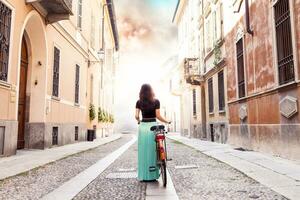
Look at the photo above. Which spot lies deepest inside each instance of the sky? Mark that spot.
(147, 39)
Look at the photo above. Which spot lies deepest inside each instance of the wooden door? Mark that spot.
(22, 95)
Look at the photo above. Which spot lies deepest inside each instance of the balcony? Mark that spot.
(53, 10)
(191, 71)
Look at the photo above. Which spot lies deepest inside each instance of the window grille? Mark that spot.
(55, 136)
(240, 68)
(55, 86)
(77, 75)
(210, 96)
(221, 91)
(76, 133)
(285, 56)
(5, 26)
(194, 102)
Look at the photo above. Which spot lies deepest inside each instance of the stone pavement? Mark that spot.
(26, 160)
(126, 187)
(280, 175)
(39, 182)
(109, 186)
(88, 175)
(156, 190)
(71, 188)
(197, 176)
(109, 172)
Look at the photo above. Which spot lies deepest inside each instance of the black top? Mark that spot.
(148, 108)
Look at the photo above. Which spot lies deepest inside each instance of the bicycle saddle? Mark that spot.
(158, 128)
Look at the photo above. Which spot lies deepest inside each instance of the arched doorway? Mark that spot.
(32, 83)
(22, 94)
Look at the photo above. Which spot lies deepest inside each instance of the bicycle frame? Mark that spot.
(161, 149)
(161, 146)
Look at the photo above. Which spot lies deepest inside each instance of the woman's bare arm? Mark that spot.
(137, 115)
(160, 118)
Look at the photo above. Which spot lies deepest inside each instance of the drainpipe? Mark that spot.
(103, 26)
(103, 20)
(248, 18)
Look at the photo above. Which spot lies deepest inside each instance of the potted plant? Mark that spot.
(112, 119)
(100, 115)
(217, 53)
(92, 112)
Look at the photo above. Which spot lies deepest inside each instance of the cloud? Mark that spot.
(145, 21)
(147, 39)
(131, 29)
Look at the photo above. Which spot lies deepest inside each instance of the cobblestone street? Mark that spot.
(149, 100)
(211, 179)
(37, 183)
(195, 176)
(115, 188)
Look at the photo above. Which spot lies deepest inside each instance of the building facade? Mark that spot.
(103, 60)
(214, 74)
(247, 71)
(169, 93)
(47, 59)
(202, 52)
(262, 52)
(186, 19)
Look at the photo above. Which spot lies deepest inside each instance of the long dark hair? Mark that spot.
(146, 94)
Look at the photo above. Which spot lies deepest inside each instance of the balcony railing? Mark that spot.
(191, 71)
(53, 10)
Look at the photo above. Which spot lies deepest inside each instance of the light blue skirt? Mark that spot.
(147, 159)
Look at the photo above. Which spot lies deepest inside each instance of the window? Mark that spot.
(55, 136)
(240, 68)
(219, 17)
(55, 86)
(208, 34)
(76, 133)
(210, 96)
(221, 91)
(194, 102)
(99, 94)
(215, 26)
(2, 137)
(93, 31)
(102, 75)
(79, 14)
(212, 132)
(5, 25)
(92, 89)
(77, 75)
(285, 56)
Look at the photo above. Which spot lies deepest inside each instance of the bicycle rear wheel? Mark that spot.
(163, 169)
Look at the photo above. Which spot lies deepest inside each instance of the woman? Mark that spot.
(150, 109)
